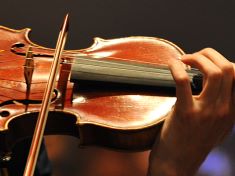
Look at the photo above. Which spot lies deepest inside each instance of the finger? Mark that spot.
(227, 73)
(212, 75)
(183, 88)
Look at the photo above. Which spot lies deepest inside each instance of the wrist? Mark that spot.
(167, 163)
(161, 168)
(166, 167)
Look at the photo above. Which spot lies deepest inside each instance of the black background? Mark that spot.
(191, 24)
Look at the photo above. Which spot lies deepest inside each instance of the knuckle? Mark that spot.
(208, 50)
(194, 112)
(228, 68)
(215, 74)
(203, 111)
(197, 55)
(182, 80)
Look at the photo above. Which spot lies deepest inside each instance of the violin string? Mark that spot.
(162, 69)
(100, 61)
(112, 57)
(165, 73)
(65, 51)
(92, 56)
(165, 77)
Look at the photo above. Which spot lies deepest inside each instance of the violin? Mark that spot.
(114, 94)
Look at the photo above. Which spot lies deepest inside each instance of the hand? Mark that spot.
(198, 123)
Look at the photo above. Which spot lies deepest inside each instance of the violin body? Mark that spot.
(106, 114)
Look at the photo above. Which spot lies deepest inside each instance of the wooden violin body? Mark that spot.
(98, 113)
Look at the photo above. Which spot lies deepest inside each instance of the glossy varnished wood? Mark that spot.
(124, 118)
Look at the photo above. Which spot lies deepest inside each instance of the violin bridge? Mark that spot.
(62, 84)
(28, 70)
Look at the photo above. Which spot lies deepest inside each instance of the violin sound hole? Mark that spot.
(15, 47)
(55, 96)
(4, 113)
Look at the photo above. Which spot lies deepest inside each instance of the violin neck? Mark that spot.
(128, 73)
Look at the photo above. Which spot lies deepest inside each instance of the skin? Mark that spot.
(189, 133)
(191, 130)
